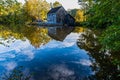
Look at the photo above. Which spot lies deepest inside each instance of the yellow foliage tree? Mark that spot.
(80, 16)
(56, 4)
(37, 9)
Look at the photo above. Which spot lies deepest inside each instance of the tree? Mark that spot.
(14, 12)
(11, 12)
(86, 5)
(37, 9)
(80, 16)
(56, 4)
(104, 14)
(110, 39)
(72, 12)
(100, 14)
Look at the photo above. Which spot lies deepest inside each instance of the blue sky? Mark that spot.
(67, 4)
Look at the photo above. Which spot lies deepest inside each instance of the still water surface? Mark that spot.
(54, 53)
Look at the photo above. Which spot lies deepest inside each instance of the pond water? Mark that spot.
(54, 53)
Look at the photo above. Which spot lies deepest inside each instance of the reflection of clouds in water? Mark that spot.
(29, 54)
(27, 73)
(84, 62)
(2, 59)
(24, 51)
(3, 49)
(17, 46)
(72, 37)
(57, 44)
(10, 65)
(7, 55)
(22, 47)
(60, 72)
(69, 41)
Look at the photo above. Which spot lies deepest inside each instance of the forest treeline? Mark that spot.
(104, 14)
(14, 12)
(95, 13)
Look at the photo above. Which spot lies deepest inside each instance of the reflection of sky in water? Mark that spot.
(54, 61)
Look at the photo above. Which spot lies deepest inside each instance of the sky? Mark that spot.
(67, 4)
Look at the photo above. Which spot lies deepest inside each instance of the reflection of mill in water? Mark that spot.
(59, 33)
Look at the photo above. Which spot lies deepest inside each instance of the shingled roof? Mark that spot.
(54, 10)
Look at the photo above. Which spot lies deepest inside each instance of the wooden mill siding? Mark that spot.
(59, 15)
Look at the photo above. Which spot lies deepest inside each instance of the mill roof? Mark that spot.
(54, 10)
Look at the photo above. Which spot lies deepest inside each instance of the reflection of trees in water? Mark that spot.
(37, 36)
(88, 40)
(8, 36)
(103, 64)
(79, 29)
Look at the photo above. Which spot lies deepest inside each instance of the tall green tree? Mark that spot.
(103, 14)
(110, 39)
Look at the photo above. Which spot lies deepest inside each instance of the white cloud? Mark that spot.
(29, 54)
(19, 45)
(69, 41)
(10, 65)
(60, 71)
(84, 62)
(22, 47)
